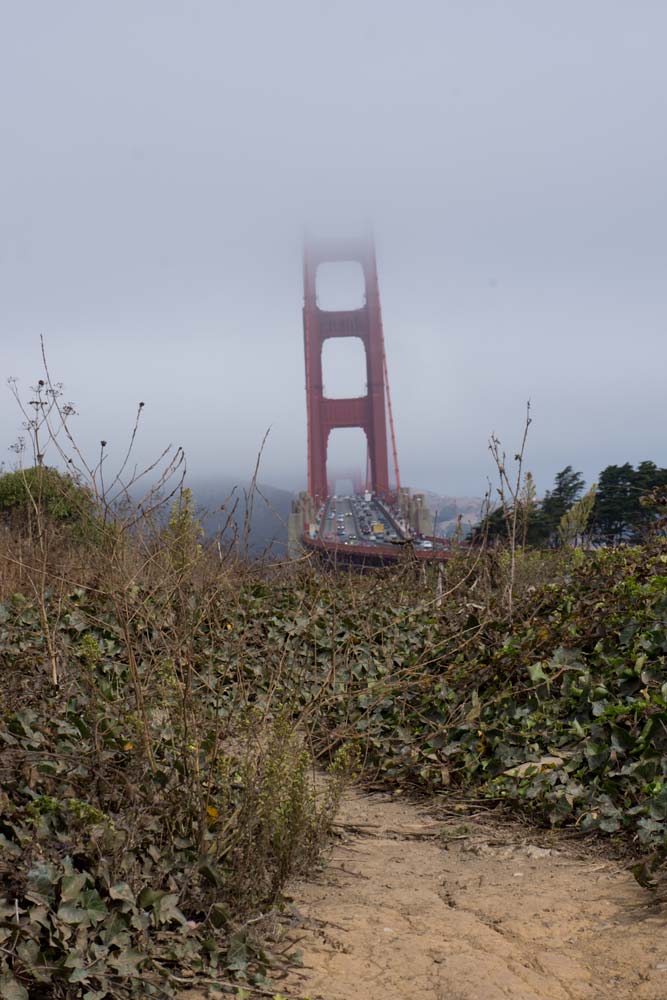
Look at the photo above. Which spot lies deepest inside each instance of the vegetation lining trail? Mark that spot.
(561, 713)
(156, 798)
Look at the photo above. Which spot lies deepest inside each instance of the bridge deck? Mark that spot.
(358, 529)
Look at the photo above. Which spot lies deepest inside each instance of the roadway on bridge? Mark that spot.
(350, 520)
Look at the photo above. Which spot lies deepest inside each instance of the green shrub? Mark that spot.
(41, 489)
(116, 867)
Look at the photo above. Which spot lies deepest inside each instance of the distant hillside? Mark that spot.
(447, 510)
(218, 498)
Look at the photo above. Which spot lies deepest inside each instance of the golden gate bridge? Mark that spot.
(378, 520)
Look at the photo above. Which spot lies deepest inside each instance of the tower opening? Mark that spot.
(346, 460)
(343, 368)
(340, 285)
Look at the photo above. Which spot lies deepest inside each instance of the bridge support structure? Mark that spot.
(367, 412)
(300, 520)
(415, 512)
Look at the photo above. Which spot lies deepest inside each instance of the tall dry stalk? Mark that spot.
(509, 492)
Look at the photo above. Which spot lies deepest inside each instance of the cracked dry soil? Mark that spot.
(414, 908)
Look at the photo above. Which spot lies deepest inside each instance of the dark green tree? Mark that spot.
(494, 527)
(541, 526)
(491, 528)
(649, 476)
(567, 489)
(618, 515)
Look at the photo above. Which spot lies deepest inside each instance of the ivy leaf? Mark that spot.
(536, 673)
(657, 806)
(43, 878)
(9, 846)
(70, 913)
(121, 890)
(610, 823)
(148, 897)
(95, 906)
(621, 740)
(127, 962)
(11, 989)
(89, 909)
(71, 886)
(165, 909)
(650, 830)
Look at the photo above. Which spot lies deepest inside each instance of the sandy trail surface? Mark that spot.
(416, 906)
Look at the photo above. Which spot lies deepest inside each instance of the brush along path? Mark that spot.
(412, 908)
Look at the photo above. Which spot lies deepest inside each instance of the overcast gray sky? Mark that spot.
(159, 161)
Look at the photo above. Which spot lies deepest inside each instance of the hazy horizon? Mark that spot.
(160, 164)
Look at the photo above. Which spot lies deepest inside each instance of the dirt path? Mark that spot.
(414, 908)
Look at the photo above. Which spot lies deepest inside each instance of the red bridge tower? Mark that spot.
(367, 412)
